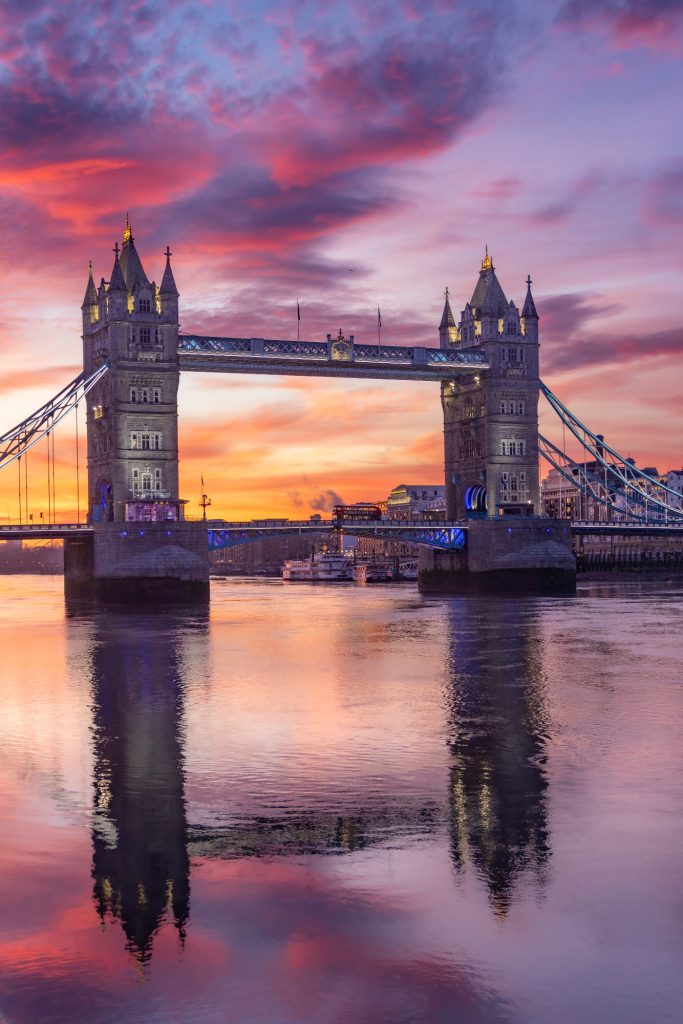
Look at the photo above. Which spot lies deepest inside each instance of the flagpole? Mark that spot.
(298, 319)
(379, 334)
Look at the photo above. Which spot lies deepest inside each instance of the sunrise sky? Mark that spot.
(351, 155)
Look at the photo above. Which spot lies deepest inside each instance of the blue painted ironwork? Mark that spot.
(444, 536)
(643, 496)
(315, 358)
(20, 439)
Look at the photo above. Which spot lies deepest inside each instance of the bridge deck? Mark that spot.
(321, 359)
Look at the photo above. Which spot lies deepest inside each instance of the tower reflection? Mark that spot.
(140, 861)
(498, 723)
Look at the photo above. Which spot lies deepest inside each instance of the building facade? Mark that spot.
(491, 419)
(417, 501)
(132, 414)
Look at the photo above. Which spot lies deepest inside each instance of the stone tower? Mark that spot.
(132, 415)
(491, 420)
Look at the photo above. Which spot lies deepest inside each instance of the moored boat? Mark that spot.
(325, 568)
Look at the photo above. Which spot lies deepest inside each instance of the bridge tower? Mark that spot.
(491, 419)
(140, 547)
(132, 415)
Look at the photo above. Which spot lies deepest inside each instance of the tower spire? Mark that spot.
(529, 310)
(127, 231)
(487, 262)
(447, 328)
(168, 286)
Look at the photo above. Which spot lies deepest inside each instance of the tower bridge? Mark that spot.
(137, 540)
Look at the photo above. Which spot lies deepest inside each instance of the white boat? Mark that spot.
(373, 572)
(328, 568)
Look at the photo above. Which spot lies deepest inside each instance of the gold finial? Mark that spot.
(127, 233)
(487, 262)
(446, 293)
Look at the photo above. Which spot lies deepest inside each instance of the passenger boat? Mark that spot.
(373, 572)
(326, 568)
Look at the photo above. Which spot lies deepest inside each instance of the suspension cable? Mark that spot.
(49, 492)
(54, 492)
(20, 502)
(78, 473)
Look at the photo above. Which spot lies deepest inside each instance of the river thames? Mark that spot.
(342, 805)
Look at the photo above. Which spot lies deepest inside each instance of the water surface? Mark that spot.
(342, 805)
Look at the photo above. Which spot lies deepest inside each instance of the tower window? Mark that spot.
(143, 305)
(156, 395)
(512, 447)
(145, 336)
(145, 440)
(133, 395)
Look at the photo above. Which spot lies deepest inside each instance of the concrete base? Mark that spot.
(505, 555)
(143, 563)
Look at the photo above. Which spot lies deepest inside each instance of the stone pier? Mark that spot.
(508, 555)
(163, 563)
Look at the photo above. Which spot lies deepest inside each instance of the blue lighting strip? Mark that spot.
(445, 538)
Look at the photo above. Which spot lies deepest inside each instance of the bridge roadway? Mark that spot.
(445, 535)
(334, 358)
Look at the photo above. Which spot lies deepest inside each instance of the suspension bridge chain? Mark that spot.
(608, 476)
(16, 442)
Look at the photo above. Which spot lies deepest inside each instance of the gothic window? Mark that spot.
(146, 440)
(147, 482)
(145, 336)
(133, 395)
(145, 394)
(469, 448)
(512, 447)
(156, 395)
(469, 408)
(143, 305)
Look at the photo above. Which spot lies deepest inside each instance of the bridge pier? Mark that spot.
(165, 563)
(508, 555)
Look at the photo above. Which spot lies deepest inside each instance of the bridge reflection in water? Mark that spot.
(498, 724)
(495, 808)
(140, 859)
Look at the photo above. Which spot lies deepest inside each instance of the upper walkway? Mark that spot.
(334, 358)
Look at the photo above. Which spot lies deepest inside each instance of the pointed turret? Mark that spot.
(447, 328)
(89, 304)
(529, 311)
(90, 297)
(168, 293)
(117, 293)
(168, 281)
(529, 315)
(488, 298)
(131, 264)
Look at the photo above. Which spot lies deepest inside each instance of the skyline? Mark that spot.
(347, 162)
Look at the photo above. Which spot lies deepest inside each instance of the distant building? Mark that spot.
(417, 501)
(560, 499)
(674, 480)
